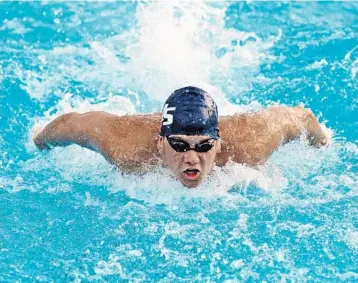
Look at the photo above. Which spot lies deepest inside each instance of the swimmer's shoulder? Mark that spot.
(108, 119)
(235, 121)
(104, 124)
(140, 121)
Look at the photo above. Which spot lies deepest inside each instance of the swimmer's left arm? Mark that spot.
(251, 138)
(296, 121)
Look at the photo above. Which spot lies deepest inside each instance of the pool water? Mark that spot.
(68, 216)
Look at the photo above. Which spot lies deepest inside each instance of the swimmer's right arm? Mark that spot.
(125, 141)
(96, 130)
(67, 129)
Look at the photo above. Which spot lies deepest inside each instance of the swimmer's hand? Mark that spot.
(317, 134)
(39, 142)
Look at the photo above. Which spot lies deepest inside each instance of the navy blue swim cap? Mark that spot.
(190, 111)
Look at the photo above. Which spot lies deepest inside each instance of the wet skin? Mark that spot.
(131, 142)
(190, 167)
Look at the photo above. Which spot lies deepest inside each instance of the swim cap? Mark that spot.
(190, 111)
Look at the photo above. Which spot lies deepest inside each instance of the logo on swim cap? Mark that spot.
(190, 111)
(167, 118)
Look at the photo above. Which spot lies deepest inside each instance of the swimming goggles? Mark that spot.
(182, 146)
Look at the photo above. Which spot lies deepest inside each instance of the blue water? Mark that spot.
(67, 216)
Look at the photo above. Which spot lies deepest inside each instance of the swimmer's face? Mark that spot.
(189, 167)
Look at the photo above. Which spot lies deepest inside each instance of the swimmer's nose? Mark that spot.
(191, 157)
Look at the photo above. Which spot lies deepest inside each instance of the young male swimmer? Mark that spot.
(191, 140)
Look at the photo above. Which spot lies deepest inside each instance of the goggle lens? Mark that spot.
(182, 146)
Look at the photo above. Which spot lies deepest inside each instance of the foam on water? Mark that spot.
(210, 57)
(186, 43)
(15, 26)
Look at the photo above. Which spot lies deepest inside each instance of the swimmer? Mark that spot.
(188, 136)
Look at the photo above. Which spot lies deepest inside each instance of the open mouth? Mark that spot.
(191, 174)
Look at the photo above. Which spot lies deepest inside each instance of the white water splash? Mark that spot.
(177, 44)
(317, 65)
(172, 45)
(15, 26)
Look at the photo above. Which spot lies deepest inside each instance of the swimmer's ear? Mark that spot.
(160, 144)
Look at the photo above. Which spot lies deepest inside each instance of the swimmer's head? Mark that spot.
(190, 111)
(189, 136)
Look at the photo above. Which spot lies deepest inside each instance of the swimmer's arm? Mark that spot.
(258, 135)
(96, 130)
(296, 121)
(129, 142)
(67, 129)
(285, 124)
